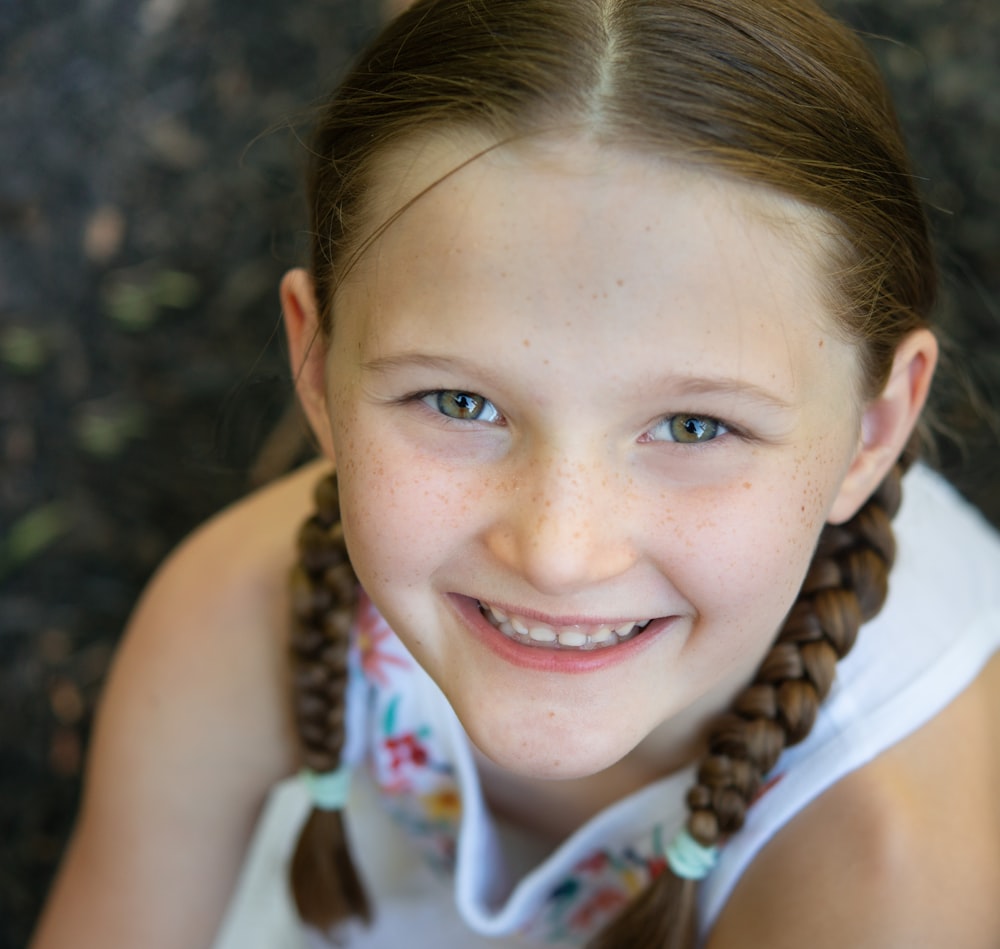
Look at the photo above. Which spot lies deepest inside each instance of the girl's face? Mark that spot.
(594, 400)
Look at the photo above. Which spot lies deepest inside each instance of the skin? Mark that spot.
(571, 510)
(392, 8)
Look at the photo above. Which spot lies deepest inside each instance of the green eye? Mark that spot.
(688, 429)
(463, 406)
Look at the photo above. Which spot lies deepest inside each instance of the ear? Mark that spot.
(307, 352)
(887, 423)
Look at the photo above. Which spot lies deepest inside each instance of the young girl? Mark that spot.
(616, 330)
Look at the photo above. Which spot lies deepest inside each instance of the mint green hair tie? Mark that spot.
(690, 859)
(328, 791)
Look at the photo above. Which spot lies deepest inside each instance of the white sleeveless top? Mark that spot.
(477, 883)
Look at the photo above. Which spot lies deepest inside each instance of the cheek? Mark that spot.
(402, 514)
(746, 561)
(371, 499)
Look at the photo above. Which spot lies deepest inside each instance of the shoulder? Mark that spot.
(246, 542)
(206, 643)
(193, 729)
(199, 680)
(236, 564)
(904, 852)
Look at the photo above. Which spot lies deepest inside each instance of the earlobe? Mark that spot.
(887, 423)
(307, 351)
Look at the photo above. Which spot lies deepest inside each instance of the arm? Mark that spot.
(191, 734)
(902, 854)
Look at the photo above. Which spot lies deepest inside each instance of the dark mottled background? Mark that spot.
(149, 201)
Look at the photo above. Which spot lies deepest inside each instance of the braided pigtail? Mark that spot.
(846, 585)
(325, 882)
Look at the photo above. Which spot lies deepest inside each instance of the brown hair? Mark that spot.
(769, 91)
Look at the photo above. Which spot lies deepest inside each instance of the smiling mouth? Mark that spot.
(531, 632)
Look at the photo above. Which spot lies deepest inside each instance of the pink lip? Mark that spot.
(552, 660)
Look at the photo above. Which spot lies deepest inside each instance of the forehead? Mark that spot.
(554, 233)
(413, 172)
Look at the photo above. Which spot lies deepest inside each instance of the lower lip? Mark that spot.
(539, 658)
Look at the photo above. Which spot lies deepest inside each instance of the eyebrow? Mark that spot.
(415, 360)
(723, 385)
(679, 386)
(419, 360)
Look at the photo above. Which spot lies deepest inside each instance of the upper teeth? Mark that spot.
(533, 632)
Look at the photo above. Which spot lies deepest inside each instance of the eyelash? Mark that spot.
(722, 428)
(431, 398)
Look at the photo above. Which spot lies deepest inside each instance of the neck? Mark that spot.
(553, 810)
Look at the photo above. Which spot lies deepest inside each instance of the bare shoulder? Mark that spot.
(903, 853)
(193, 729)
(207, 639)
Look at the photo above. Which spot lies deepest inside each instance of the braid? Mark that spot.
(846, 585)
(323, 587)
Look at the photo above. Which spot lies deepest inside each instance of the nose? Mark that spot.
(563, 525)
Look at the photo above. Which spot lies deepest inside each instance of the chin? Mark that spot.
(547, 755)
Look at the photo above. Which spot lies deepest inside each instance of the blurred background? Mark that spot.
(149, 202)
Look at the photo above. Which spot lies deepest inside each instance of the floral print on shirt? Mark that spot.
(419, 787)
